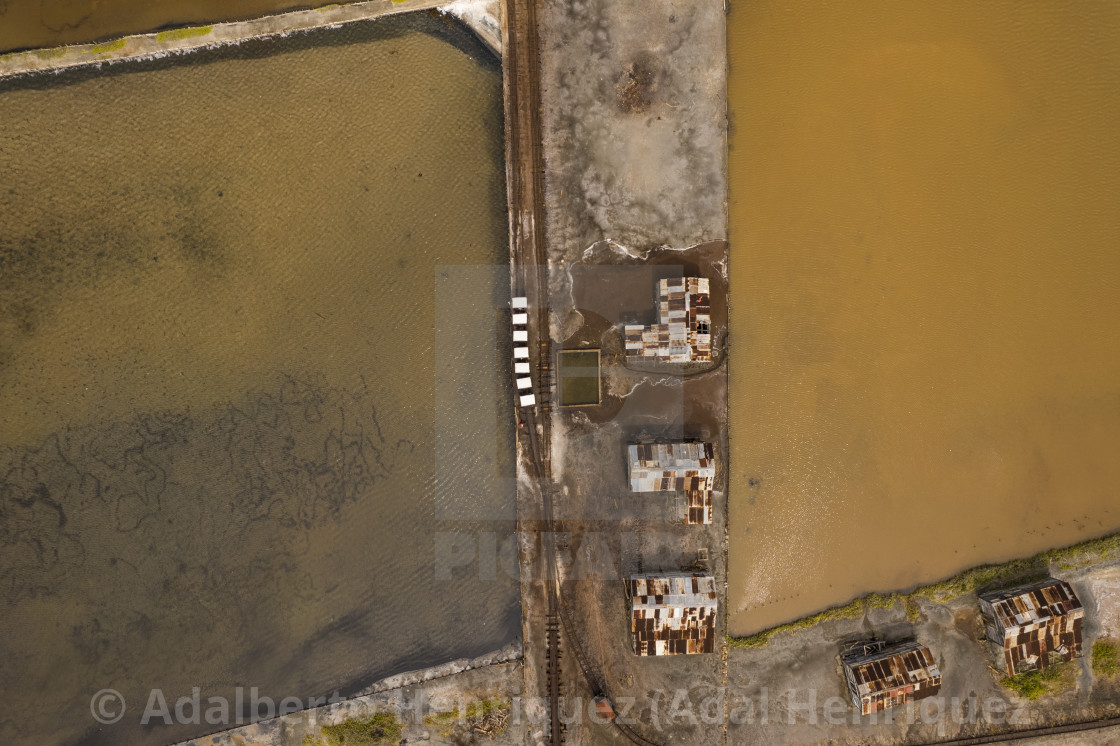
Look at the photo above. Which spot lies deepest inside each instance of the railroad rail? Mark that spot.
(1017, 735)
(529, 278)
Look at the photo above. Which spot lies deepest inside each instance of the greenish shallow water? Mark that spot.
(232, 439)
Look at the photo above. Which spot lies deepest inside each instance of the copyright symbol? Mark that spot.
(107, 706)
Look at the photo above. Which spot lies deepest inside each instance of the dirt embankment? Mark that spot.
(180, 40)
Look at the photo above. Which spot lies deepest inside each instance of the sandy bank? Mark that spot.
(408, 696)
(179, 41)
(482, 17)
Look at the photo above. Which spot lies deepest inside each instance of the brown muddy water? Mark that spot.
(925, 372)
(247, 386)
(28, 24)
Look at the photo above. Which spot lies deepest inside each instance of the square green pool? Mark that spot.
(579, 378)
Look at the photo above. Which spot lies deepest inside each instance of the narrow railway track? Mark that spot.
(529, 278)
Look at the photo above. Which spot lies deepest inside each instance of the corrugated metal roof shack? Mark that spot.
(683, 333)
(676, 467)
(881, 676)
(1033, 624)
(673, 613)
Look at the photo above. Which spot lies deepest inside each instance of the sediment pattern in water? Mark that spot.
(232, 434)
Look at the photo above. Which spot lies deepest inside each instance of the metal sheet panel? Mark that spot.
(1035, 624)
(683, 331)
(882, 676)
(673, 614)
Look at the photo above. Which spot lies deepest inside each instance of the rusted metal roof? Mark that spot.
(1034, 623)
(673, 613)
(683, 331)
(881, 676)
(676, 467)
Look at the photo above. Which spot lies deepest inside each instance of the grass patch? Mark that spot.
(379, 729)
(1092, 552)
(881, 601)
(1084, 554)
(50, 54)
(332, 6)
(1034, 684)
(1106, 658)
(986, 576)
(109, 46)
(487, 708)
(443, 722)
(851, 610)
(177, 34)
(489, 715)
(913, 611)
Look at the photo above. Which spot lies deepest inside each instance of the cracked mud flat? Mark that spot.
(231, 434)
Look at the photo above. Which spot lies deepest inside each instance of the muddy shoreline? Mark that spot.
(445, 685)
(188, 39)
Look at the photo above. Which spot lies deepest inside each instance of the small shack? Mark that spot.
(683, 333)
(881, 675)
(676, 467)
(1032, 625)
(673, 613)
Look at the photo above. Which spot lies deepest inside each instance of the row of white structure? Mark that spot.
(520, 308)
